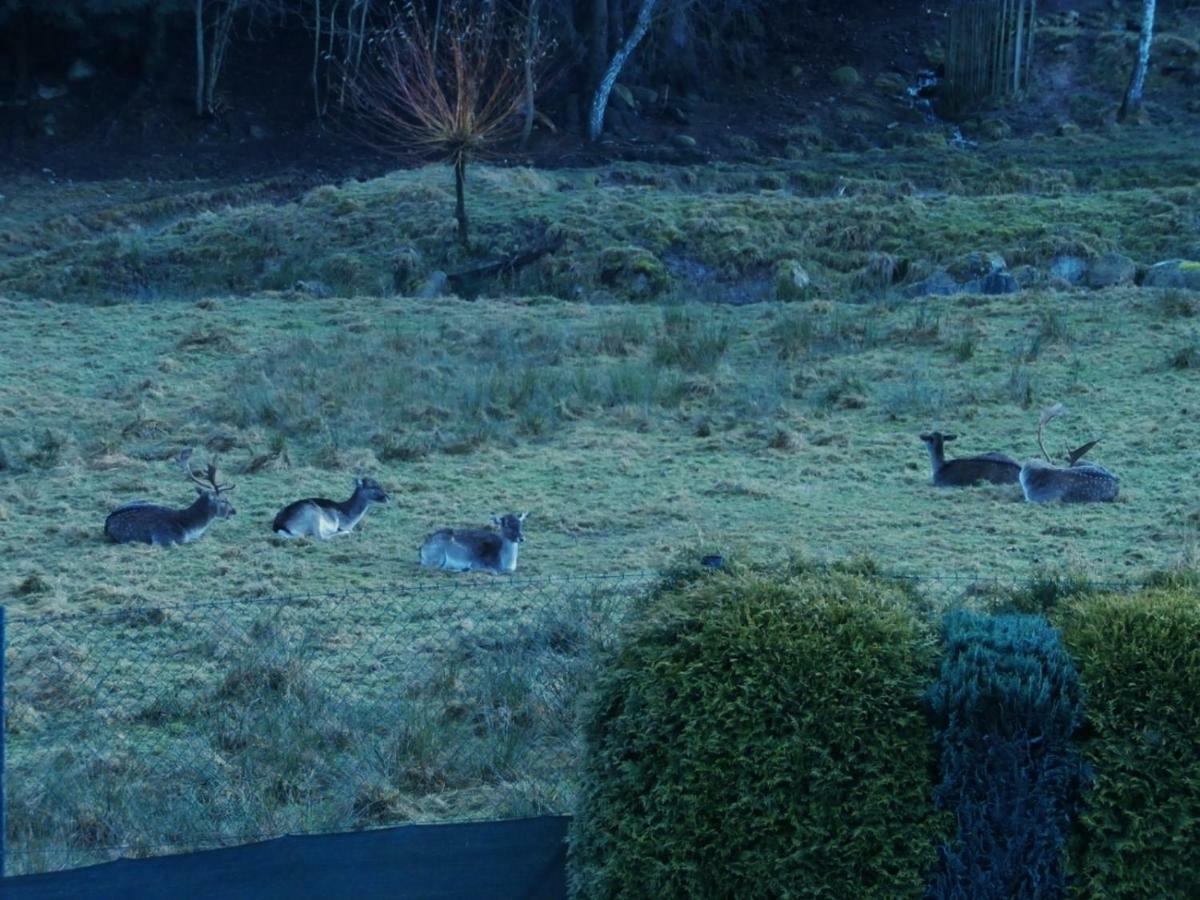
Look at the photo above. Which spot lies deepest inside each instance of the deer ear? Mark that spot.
(949, 437)
(925, 437)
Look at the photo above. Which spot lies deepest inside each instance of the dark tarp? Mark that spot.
(523, 858)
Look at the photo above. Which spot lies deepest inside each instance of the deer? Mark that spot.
(476, 549)
(323, 519)
(1078, 482)
(141, 521)
(966, 471)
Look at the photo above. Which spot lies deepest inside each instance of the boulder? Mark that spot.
(683, 141)
(435, 285)
(976, 264)
(1110, 270)
(644, 95)
(792, 281)
(1070, 269)
(994, 129)
(1174, 273)
(81, 70)
(939, 283)
(625, 96)
(891, 83)
(999, 283)
(845, 77)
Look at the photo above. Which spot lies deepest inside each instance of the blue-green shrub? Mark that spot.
(1006, 706)
(761, 737)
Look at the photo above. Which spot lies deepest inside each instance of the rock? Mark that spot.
(1068, 268)
(1174, 273)
(845, 77)
(994, 129)
(1028, 276)
(435, 285)
(259, 133)
(314, 287)
(792, 281)
(976, 264)
(683, 141)
(939, 283)
(891, 83)
(624, 95)
(1067, 129)
(644, 95)
(48, 92)
(999, 283)
(81, 70)
(934, 52)
(1110, 270)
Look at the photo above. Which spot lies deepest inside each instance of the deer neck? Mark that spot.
(509, 550)
(197, 517)
(355, 508)
(937, 457)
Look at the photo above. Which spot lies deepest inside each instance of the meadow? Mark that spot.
(611, 389)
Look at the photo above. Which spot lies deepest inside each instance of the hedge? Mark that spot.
(760, 736)
(1139, 662)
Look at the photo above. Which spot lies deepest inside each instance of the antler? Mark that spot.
(1078, 453)
(209, 482)
(1049, 414)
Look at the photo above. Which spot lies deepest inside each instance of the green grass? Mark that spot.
(143, 318)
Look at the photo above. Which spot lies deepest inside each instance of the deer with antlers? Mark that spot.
(148, 523)
(1077, 482)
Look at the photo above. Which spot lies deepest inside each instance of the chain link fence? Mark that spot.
(159, 728)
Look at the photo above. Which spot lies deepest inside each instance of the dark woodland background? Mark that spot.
(109, 87)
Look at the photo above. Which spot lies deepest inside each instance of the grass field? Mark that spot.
(141, 319)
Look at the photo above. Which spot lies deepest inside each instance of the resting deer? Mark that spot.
(476, 549)
(321, 518)
(1078, 482)
(148, 523)
(968, 470)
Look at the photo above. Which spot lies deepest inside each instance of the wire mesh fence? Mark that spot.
(165, 727)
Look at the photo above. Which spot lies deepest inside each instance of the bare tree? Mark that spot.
(615, 65)
(214, 21)
(1137, 81)
(447, 90)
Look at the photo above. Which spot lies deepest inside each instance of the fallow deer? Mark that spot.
(148, 523)
(1078, 482)
(476, 549)
(321, 518)
(965, 471)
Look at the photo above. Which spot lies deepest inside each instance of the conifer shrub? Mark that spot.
(761, 736)
(1006, 706)
(1139, 664)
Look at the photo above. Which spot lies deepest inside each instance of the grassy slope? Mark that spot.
(632, 432)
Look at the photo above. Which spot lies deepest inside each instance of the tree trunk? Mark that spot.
(200, 73)
(1137, 82)
(531, 42)
(460, 200)
(598, 44)
(600, 103)
(316, 62)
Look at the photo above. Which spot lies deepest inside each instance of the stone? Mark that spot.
(1173, 273)
(435, 285)
(1067, 129)
(313, 287)
(845, 77)
(994, 129)
(644, 95)
(1110, 270)
(891, 83)
(683, 141)
(792, 281)
(976, 264)
(999, 283)
(259, 133)
(624, 95)
(1068, 268)
(939, 283)
(1028, 276)
(81, 70)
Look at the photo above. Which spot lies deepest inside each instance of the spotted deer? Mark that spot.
(1078, 482)
(476, 549)
(321, 518)
(148, 523)
(965, 471)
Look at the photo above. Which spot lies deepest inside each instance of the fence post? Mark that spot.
(3, 822)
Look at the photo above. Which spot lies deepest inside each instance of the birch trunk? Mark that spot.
(1137, 83)
(604, 89)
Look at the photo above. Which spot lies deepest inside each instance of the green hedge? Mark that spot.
(762, 737)
(1139, 663)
